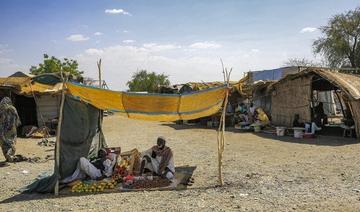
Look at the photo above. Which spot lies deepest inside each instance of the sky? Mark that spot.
(183, 39)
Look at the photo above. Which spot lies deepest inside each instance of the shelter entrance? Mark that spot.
(330, 110)
(26, 108)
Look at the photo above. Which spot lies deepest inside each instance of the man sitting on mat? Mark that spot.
(158, 160)
(100, 167)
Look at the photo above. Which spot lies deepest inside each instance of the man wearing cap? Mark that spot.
(100, 167)
(158, 160)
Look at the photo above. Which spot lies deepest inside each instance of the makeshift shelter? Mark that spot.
(76, 142)
(260, 94)
(81, 108)
(294, 94)
(36, 98)
(236, 93)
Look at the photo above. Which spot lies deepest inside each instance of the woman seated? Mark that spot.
(261, 117)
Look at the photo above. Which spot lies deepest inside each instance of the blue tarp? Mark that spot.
(273, 74)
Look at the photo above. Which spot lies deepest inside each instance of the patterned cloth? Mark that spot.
(9, 121)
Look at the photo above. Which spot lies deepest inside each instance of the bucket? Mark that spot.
(257, 128)
(280, 131)
(298, 133)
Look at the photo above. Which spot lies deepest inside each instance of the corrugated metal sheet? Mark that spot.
(47, 108)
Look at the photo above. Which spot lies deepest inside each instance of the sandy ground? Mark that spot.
(261, 172)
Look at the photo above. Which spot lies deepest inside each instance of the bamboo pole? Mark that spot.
(99, 68)
(58, 132)
(100, 111)
(221, 129)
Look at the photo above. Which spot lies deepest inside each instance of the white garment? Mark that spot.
(252, 110)
(109, 165)
(86, 168)
(155, 162)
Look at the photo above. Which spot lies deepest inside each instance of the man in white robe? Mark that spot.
(99, 168)
(159, 160)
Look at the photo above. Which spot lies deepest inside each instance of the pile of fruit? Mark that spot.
(96, 186)
(125, 163)
(121, 171)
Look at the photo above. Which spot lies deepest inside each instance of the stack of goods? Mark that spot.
(131, 160)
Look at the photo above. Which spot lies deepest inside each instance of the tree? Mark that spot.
(300, 62)
(340, 42)
(54, 65)
(144, 81)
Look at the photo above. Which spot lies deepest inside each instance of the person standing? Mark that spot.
(9, 121)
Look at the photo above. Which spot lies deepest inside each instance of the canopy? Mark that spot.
(81, 108)
(156, 107)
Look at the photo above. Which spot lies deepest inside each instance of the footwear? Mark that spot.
(4, 164)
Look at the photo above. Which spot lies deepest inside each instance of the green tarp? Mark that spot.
(81, 136)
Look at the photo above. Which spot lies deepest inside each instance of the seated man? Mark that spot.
(100, 167)
(319, 115)
(251, 111)
(241, 113)
(159, 160)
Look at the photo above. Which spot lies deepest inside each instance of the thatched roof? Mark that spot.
(27, 86)
(14, 82)
(349, 83)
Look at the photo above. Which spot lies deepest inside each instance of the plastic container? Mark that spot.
(257, 128)
(280, 131)
(298, 133)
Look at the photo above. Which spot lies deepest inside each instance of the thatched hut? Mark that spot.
(36, 98)
(296, 94)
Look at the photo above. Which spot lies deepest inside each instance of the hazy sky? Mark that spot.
(183, 39)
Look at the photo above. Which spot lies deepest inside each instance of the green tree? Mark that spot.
(54, 65)
(147, 81)
(340, 42)
(300, 62)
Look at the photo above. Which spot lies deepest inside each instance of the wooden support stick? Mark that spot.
(100, 111)
(221, 130)
(58, 132)
(99, 68)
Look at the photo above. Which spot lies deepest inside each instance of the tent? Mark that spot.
(82, 107)
(294, 94)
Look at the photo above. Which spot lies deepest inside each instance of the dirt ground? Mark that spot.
(262, 172)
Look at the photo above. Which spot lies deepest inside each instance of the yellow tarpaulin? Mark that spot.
(156, 107)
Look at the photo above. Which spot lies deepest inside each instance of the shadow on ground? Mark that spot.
(323, 139)
(320, 140)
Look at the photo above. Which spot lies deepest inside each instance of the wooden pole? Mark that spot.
(100, 111)
(58, 132)
(221, 130)
(99, 68)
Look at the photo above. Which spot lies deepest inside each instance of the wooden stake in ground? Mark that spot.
(100, 111)
(221, 130)
(58, 132)
(99, 68)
